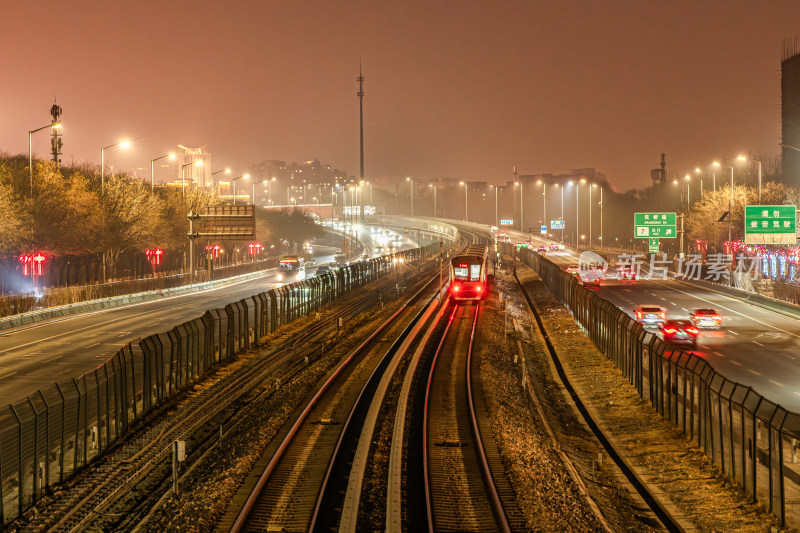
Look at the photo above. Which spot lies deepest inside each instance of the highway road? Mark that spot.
(35, 356)
(757, 347)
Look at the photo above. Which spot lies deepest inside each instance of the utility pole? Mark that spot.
(360, 80)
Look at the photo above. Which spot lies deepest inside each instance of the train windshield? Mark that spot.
(475, 272)
(467, 271)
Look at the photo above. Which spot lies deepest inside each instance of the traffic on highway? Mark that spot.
(754, 345)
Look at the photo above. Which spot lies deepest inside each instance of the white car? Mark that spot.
(301, 273)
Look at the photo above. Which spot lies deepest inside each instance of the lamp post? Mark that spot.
(198, 163)
(411, 189)
(121, 144)
(153, 169)
(435, 194)
(245, 176)
(596, 186)
(730, 218)
(699, 173)
(269, 190)
(225, 170)
(688, 180)
(521, 208)
(54, 126)
(562, 210)
(544, 200)
(254, 188)
(466, 204)
(745, 158)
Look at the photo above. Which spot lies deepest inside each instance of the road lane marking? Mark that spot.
(754, 342)
(798, 393)
(789, 356)
(776, 383)
(735, 312)
(753, 372)
(93, 345)
(732, 332)
(7, 375)
(736, 363)
(719, 354)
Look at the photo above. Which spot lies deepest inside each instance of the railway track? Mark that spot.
(94, 501)
(466, 487)
(290, 492)
(654, 503)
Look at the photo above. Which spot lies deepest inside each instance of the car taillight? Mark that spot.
(455, 288)
(478, 288)
(670, 330)
(717, 319)
(638, 314)
(663, 314)
(692, 331)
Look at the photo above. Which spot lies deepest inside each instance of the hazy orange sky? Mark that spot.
(457, 88)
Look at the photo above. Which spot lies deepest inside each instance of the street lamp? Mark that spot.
(466, 205)
(153, 167)
(121, 144)
(562, 210)
(269, 190)
(596, 186)
(745, 158)
(411, 188)
(699, 173)
(544, 199)
(225, 170)
(521, 207)
(730, 216)
(198, 163)
(688, 179)
(54, 126)
(245, 176)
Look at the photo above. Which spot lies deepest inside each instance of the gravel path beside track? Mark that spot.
(660, 453)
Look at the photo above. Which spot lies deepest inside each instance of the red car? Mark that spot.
(680, 332)
(553, 246)
(541, 248)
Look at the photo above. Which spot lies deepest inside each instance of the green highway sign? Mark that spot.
(659, 225)
(653, 245)
(770, 224)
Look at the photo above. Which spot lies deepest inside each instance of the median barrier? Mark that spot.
(47, 437)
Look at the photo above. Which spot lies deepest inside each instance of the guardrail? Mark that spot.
(47, 437)
(750, 438)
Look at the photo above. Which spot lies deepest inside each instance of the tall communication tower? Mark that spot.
(360, 93)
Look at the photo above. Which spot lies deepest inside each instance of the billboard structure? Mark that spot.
(221, 223)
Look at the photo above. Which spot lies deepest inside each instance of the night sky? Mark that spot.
(460, 89)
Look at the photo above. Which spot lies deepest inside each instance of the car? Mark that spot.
(324, 269)
(626, 272)
(541, 248)
(301, 273)
(650, 315)
(680, 332)
(706, 318)
(553, 246)
(573, 269)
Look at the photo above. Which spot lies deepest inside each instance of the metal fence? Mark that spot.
(750, 438)
(50, 435)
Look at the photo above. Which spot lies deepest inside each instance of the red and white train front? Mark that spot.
(468, 275)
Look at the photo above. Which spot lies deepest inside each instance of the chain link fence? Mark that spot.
(47, 437)
(750, 438)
